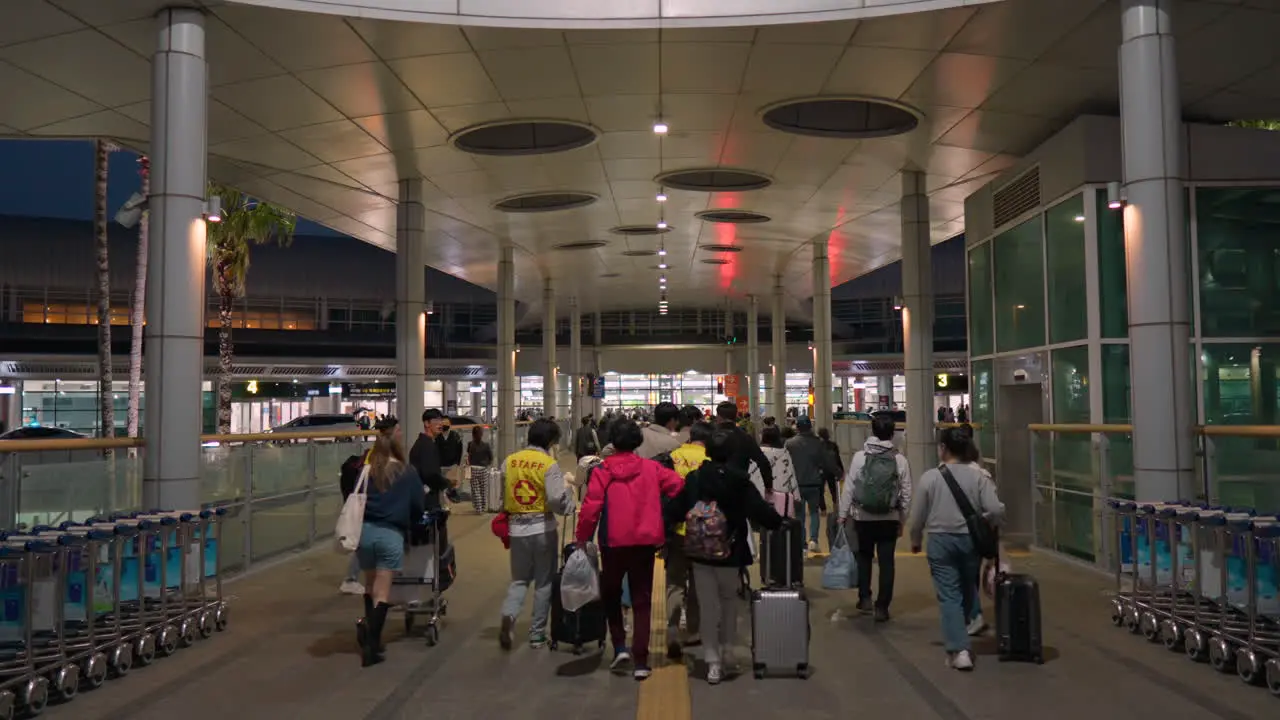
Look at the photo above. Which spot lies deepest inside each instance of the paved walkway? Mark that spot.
(290, 653)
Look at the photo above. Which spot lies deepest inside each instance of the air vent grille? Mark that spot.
(1020, 195)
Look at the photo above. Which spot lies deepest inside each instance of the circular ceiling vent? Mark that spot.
(639, 253)
(581, 245)
(544, 202)
(735, 217)
(524, 137)
(850, 118)
(640, 230)
(714, 261)
(714, 180)
(720, 248)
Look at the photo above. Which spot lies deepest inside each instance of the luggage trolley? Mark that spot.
(1155, 590)
(1124, 607)
(85, 622)
(21, 689)
(1258, 648)
(44, 608)
(103, 557)
(430, 566)
(143, 601)
(1209, 608)
(1232, 591)
(204, 565)
(1181, 523)
(180, 579)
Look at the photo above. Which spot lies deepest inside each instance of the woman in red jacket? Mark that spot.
(624, 498)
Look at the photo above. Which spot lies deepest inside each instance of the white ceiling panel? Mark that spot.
(325, 114)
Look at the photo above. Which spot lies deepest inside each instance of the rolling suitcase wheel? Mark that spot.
(35, 696)
(66, 683)
(94, 671)
(1249, 667)
(758, 671)
(1273, 676)
(1221, 656)
(433, 635)
(803, 672)
(144, 650)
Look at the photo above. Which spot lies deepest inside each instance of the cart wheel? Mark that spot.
(433, 635)
(1248, 669)
(35, 697)
(577, 649)
(66, 683)
(1172, 636)
(1221, 656)
(168, 641)
(408, 624)
(759, 673)
(122, 665)
(94, 671)
(144, 650)
(1037, 659)
(1149, 627)
(803, 672)
(553, 646)
(1117, 612)
(206, 627)
(187, 636)
(220, 616)
(7, 705)
(1273, 676)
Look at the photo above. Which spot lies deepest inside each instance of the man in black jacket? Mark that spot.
(424, 456)
(743, 449)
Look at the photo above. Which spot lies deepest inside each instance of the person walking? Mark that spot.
(877, 496)
(682, 594)
(624, 502)
(953, 560)
(395, 499)
(716, 504)
(812, 462)
(535, 492)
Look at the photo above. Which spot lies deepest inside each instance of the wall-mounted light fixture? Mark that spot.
(1115, 196)
(213, 209)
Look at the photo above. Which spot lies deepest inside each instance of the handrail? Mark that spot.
(943, 425)
(1066, 428)
(1239, 431)
(69, 444)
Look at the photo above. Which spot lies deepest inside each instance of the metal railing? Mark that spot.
(280, 489)
(1076, 468)
(850, 435)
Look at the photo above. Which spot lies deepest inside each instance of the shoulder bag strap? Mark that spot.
(362, 484)
(962, 500)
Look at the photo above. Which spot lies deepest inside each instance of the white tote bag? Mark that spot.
(346, 535)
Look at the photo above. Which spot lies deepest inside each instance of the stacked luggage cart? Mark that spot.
(82, 602)
(1201, 580)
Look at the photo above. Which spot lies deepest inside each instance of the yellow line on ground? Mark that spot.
(665, 695)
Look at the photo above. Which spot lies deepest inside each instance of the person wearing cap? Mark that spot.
(425, 457)
(812, 462)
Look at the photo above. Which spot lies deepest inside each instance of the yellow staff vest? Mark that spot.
(526, 484)
(686, 459)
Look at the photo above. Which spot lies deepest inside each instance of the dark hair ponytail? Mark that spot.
(958, 442)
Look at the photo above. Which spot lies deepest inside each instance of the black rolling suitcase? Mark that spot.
(585, 626)
(776, 547)
(1018, 619)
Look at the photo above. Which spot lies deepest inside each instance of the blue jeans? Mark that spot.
(807, 511)
(381, 548)
(954, 564)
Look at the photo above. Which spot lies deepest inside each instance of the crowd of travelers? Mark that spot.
(644, 484)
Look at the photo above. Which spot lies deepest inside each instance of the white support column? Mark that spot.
(597, 360)
(917, 320)
(175, 301)
(488, 400)
(821, 335)
(411, 315)
(508, 391)
(753, 355)
(728, 333)
(1156, 253)
(884, 389)
(549, 389)
(779, 349)
(575, 365)
(844, 394)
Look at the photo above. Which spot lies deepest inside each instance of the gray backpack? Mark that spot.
(878, 487)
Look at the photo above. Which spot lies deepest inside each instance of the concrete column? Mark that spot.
(597, 361)
(884, 389)
(1156, 253)
(917, 321)
(821, 335)
(728, 333)
(508, 390)
(549, 389)
(411, 307)
(575, 364)
(174, 334)
(779, 348)
(844, 402)
(753, 355)
(488, 400)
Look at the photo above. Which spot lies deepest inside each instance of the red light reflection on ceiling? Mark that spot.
(727, 234)
(835, 248)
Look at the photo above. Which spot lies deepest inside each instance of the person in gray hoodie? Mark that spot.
(877, 495)
(953, 559)
(810, 458)
(660, 435)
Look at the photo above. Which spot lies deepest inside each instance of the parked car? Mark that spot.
(317, 423)
(41, 432)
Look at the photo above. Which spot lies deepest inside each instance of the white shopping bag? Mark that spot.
(346, 534)
(579, 581)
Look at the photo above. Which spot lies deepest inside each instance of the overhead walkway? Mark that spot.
(290, 653)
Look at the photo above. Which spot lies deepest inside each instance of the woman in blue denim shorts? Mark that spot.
(395, 499)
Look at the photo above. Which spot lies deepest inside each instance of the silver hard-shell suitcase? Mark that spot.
(780, 632)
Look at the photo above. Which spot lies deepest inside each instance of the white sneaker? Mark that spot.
(813, 546)
(620, 660)
(351, 587)
(976, 627)
(714, 674)
(960, 661)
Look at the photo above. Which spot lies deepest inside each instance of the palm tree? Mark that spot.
(245, 222)
(137, 306)
(106, 400)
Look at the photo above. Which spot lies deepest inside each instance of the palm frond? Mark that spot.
(246, 221)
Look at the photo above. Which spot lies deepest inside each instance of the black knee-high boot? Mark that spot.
(372, 650)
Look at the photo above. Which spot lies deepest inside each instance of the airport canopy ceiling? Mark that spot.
(778, 134)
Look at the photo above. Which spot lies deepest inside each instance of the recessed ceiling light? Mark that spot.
(662, 266)
(662, 279)
(662, 224)
(661, 197)
(1079, 218)
(660, 127)
(662, 251)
